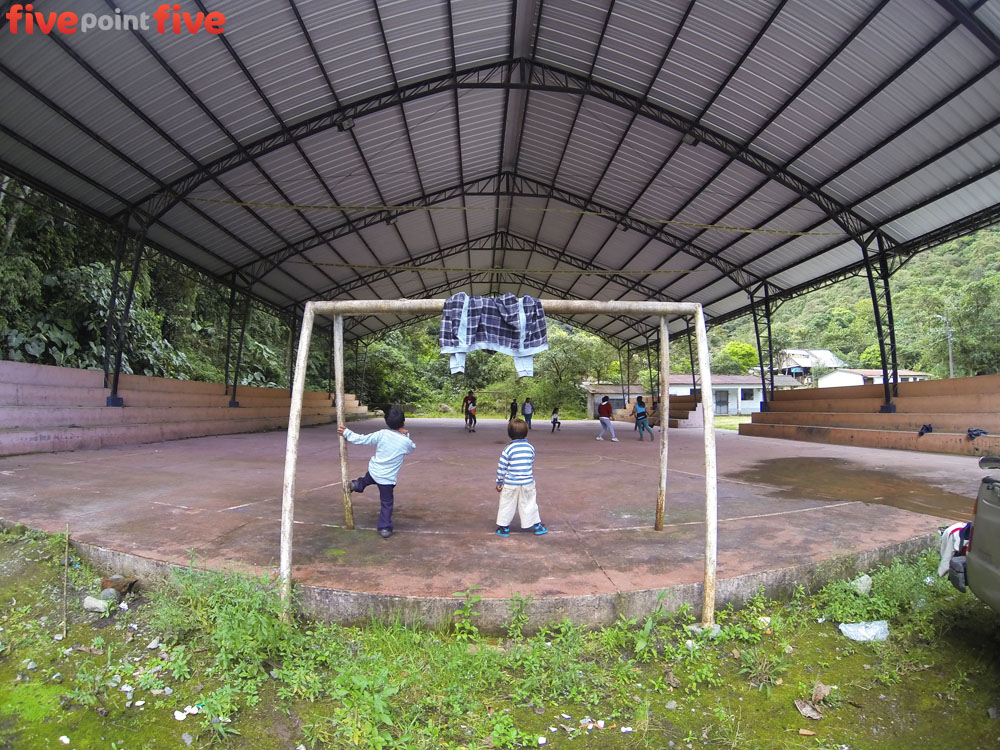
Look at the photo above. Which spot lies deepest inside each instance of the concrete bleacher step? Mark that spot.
(28, 417)
(17, 442)
(937, 442)
(900, 421)
(45, 408)
(852, 415)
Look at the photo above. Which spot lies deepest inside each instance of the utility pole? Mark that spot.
(947, 332)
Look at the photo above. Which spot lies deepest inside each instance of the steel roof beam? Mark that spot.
(540, 77)
(504, 184)
(968, 18)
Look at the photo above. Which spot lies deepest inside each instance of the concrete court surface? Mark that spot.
(788, 511)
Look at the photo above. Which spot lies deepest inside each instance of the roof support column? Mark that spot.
(239, 336)
(878, 272)
(130, 247)
(762, 307)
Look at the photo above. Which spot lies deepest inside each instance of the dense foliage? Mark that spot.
(56, 270)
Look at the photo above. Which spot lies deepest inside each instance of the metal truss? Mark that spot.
(641, 328)
(878, 272)
(498, 241)
(519, 73)
(762, 308)
(503, 184)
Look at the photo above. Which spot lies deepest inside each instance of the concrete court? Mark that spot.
(789, 513)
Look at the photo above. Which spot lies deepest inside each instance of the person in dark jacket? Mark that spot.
(513, 409)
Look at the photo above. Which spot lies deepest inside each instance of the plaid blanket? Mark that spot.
(503, 324)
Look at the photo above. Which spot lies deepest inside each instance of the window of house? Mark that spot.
(746, 394)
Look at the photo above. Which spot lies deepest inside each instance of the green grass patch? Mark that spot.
(258, 679)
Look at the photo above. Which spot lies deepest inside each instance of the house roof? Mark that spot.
(611, 389)
(684, 150)
(812, 358)
(878, 373)
(780, 381)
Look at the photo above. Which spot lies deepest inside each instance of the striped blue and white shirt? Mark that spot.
(516, 463)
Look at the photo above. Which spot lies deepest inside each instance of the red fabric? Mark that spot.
(604, 410)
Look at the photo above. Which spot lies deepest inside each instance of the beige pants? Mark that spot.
(522, 498)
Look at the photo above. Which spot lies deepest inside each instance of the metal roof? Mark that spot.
(683, 150)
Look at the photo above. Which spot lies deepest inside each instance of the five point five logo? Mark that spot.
(168, 19)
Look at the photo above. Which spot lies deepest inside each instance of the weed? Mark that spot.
(464, 628)
(763, 670)
(218, 708)
(518, 616)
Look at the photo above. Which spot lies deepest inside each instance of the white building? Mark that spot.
(733, 395)
(843, 376)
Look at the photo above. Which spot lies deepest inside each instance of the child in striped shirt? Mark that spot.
(516, 482)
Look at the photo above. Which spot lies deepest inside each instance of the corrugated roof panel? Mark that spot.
(976, 109)
(976, 197)
(715, 293)
(36, 122)
(877, 52)
(682, 286)
(269, 41)
(205, 66)
(349, 42)
(418, 36)
(686, 172)
(127, 67)
(526, 216)
(911, 93)
(619, 248)
(449, 222)
(212, 235)
(798, 40)
(715, 201)
(432, 130)
(289, 170)
(481, 29)
(548, 121)
(637, 36)
(384, 146)
(481, 214)
(164, 236)
(558, 225)
(338, 162)
(707, 48)
(787, 259)
(634, 164)
(758, 213)
(590, 235)
(53, 172)
(569, 33)
(592, 146)
(481, 121)
(989, 15)
(830, 262)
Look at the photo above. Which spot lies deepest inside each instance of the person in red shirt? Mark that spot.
(604, 414)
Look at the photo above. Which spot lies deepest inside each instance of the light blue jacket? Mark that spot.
(391, 448)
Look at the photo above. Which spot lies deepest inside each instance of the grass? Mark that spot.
(257, 680)
(730, 423)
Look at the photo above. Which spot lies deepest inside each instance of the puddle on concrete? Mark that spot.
(836, 479)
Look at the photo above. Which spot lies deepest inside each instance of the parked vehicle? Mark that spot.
(979, 568)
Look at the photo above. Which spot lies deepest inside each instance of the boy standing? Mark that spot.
(391, 446)
(516, 482)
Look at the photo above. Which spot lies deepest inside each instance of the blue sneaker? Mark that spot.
(503, 530)
(540, 529)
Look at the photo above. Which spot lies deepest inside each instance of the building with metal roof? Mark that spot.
(726, 152)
